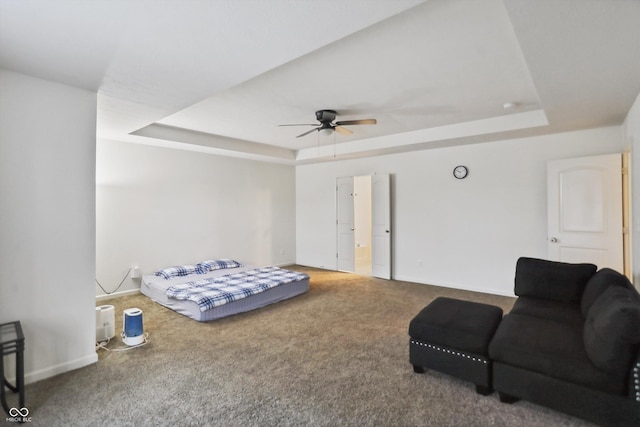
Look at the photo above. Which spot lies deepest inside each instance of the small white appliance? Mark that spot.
(133, 331)
(105, 323)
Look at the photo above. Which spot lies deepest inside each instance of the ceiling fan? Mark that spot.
(326, 118)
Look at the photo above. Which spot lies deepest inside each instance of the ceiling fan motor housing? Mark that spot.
(325, 116)
(326, 119)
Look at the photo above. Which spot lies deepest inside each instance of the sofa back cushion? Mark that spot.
(612, 329)
(600, 282)
(552, 280)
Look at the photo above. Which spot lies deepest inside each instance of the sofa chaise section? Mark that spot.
(571, 342)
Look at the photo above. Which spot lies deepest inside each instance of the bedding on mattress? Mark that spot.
(157, 288)
(215, 291)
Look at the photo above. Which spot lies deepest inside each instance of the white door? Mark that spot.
(585, 210)
(381, 226)
(345, 224)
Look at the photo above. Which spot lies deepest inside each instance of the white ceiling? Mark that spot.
(219, 76)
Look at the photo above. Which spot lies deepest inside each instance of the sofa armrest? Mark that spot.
(552, 280)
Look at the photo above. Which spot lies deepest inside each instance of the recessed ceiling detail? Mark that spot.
(432, 73)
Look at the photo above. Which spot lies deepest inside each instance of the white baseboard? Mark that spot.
(492, 291)
(41, 374)
(285, 264)
(117, 294)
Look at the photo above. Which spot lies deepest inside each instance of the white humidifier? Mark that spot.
(132, 330)
(105, 323)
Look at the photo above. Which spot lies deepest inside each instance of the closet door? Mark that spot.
(345, 224)
(381, 226)
(585, 210)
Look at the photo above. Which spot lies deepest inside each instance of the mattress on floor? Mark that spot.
(154, 287)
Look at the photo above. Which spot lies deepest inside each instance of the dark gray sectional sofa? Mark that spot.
(571, 342)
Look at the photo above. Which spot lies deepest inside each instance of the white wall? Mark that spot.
(631, 138)
(159, 207)
(464, 234)
(47, 221)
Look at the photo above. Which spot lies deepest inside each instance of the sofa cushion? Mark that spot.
(612, 329)
(549, 309)
(600, 281)
(553, 280)
(551, 348)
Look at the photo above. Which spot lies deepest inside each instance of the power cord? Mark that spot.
(103, 345)
(123, 279)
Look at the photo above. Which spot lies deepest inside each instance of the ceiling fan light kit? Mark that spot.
(326, 118)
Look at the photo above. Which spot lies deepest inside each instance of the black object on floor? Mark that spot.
(12, 342)
(452, 336)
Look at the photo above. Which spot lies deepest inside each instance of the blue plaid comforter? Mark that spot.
(213, 292)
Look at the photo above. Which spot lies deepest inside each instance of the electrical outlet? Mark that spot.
(135, 272)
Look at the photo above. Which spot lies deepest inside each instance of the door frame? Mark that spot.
(381, 270)
(626, 215)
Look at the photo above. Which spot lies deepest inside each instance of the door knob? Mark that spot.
(553, 240)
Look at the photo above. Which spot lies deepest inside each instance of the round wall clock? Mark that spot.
(460, 172)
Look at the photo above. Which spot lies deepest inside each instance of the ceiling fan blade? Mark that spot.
(357, 122)
(307, 133)
(343, 131)
(302, 124)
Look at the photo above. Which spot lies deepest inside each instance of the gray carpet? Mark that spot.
(335, 356)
